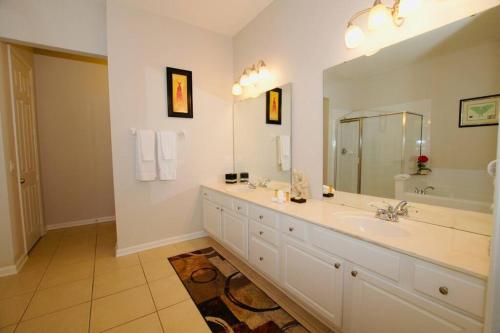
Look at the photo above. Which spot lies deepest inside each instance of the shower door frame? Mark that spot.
(360, 146)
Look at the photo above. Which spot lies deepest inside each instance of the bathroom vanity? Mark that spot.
(353, 272)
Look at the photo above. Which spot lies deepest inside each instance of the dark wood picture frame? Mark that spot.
(170, 96)
(268, 107)
(462, 101)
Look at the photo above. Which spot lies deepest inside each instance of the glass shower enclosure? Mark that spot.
(371, 150)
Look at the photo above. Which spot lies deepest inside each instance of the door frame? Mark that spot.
(11, 52)
(360, 148)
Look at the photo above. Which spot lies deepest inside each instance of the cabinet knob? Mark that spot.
(261, 217)
(238, 208)
(261, 233)
(337, 265)
(218, 208)
(354, 273)
(291, 229)
(205, 194)
(443, 290)
(222, 209)
(261, 258)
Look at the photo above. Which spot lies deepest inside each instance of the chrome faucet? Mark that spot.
(262, 182)
(420, 190)
(392, 213)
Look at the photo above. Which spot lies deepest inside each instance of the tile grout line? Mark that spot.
(93, 279)
(39, 282)
(151, 294)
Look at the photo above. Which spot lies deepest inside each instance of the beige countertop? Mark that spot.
(455, 249)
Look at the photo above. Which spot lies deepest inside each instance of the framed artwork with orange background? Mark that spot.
(180, 93)
(273, 106)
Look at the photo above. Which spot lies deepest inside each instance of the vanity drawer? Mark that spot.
(293, 227)
(375, 258)
(450, 287)
(207, 194)
(264, 257)
(240, 207)
(265, 233)
(264, 215)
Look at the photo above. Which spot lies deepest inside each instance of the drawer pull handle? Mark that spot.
(261, 258)
(239, 208)
(291, 229)
(354, 273)
(218, 208)
(261, 217)
(205, 194)
(443, 290)
(261, 233)
(337, 265)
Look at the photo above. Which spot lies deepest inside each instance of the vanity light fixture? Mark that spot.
(380, 17)
(237, 89)
(250, 77)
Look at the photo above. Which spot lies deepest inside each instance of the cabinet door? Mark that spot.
(235, 233)
(315, 278)
(374, 305)
(212, 218)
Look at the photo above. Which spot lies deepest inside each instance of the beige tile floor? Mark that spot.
(72, 282)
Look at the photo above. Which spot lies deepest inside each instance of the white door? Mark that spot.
(21, 79)
(314, 278)
(373, 305)
(212, 218)
(347, 174)
(235, 233)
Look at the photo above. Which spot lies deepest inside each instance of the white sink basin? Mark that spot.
(238, 188)
(371, 225)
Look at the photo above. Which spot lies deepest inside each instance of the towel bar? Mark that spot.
(181, 133)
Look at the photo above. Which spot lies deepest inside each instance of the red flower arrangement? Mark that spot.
(422, 168)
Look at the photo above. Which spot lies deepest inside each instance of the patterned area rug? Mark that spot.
(229, 301)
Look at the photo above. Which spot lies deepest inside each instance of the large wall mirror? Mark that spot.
(417, 121)
(262, 137)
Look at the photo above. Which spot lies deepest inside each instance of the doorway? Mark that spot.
(60, 120)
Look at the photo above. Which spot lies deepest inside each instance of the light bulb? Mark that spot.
(354, 36)
(406, 7)
(379, 17)
(263, 70)
(237, 90)
(254, 76)
(245, 79)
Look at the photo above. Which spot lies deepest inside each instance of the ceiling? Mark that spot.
(226, 17)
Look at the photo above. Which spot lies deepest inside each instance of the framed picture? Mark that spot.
(273, 106)
(479, 111)
(180, 93)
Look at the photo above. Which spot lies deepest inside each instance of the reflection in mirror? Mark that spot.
(262, 137)
(412, 122)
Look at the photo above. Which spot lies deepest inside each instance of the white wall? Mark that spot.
(77, 25)
(74, 137)
(140, 46)
(298, 40)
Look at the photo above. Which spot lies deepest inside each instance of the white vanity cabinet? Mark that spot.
(374, 304)
(350, 284)
(314, 278)
(235, 232)
(212, 218)
(226, 221)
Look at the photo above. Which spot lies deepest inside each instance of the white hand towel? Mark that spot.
(145, 155)
(284, 158)
(167, 154)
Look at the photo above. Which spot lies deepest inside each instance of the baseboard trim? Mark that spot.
(14, 269)
(158, 243)
(79, 223)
